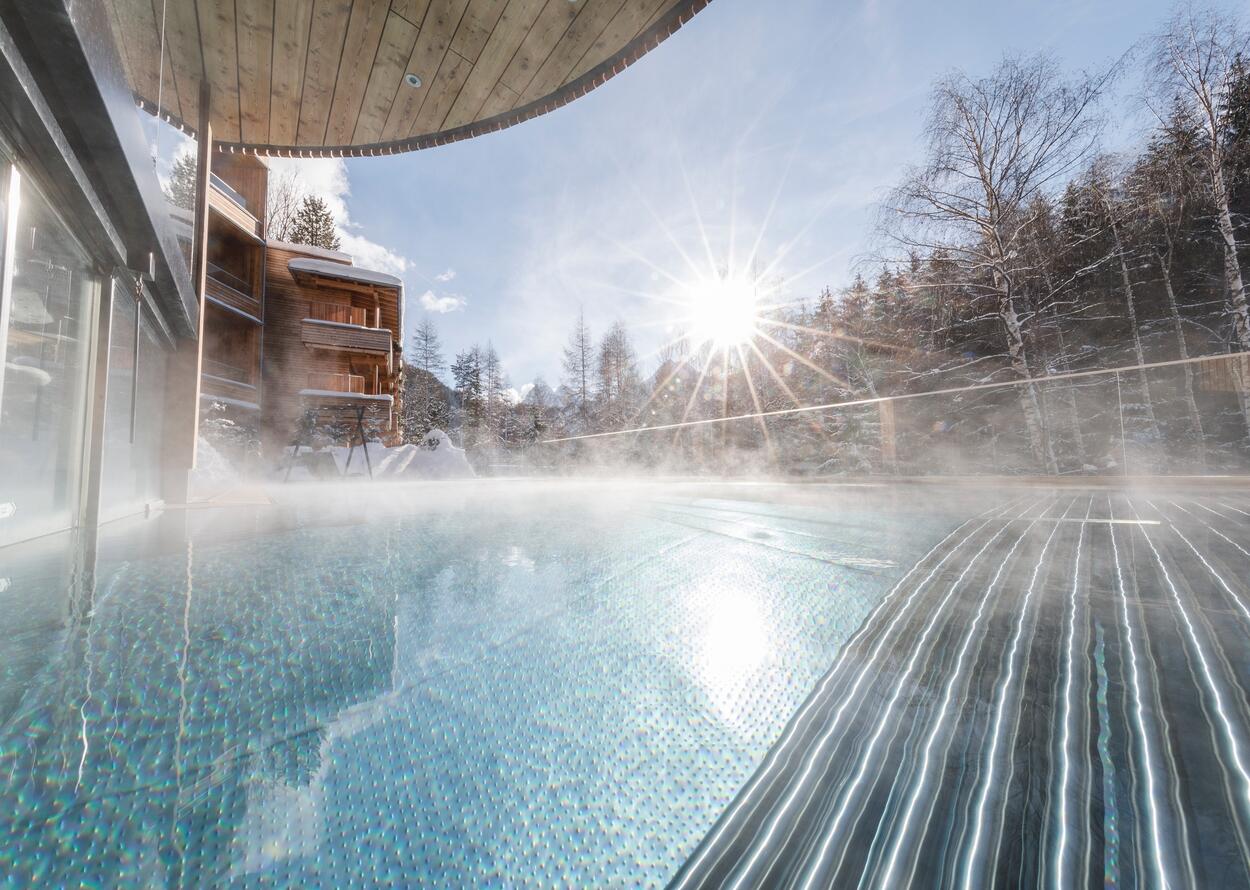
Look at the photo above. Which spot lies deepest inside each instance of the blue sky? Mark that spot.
(773, 127)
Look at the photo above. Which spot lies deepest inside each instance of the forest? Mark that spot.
(1018, 257)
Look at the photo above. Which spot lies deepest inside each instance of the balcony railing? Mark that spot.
(338, 312)
(227, 190)
(230, 290)
(229, 279)
(226, 371)
(331, 382)
(230, 204)
(345, 336)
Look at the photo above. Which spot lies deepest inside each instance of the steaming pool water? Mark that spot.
(632, 684)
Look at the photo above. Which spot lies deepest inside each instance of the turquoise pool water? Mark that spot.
(493, 685)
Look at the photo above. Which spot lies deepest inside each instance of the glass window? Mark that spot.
(132, 456)
(43, 395)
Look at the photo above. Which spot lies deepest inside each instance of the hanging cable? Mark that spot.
(160, 85)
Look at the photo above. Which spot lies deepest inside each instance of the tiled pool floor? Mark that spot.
(1055, 696)
(627, 685)
(506, 685)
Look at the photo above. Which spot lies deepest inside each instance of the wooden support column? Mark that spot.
(182, 402)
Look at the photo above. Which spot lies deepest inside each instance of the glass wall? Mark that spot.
(135, 409)
(43, 381)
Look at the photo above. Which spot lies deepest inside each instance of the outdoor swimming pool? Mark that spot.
(514, 684)
(510, 686)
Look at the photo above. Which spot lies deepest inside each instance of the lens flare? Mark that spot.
(723, 311)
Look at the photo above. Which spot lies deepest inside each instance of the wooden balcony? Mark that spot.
(332, 382)
(228, 204)
(227, 381)
(339, 334)
(230, 291)
(345, 393)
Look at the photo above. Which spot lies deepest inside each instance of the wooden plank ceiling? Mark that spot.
(329, 77)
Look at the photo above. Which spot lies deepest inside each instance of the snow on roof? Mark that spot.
(336, 394)
(311, 266)
(309, 250)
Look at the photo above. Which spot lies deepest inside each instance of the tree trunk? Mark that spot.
(1029, 402)
(1232, 270)
(1131, 302)
(1182, 350)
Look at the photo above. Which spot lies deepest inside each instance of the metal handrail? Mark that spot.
(230, 280)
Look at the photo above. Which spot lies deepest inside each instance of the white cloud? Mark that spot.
(446, 303)
(445, 276)
(327, 179)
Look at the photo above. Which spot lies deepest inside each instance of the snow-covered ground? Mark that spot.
(434, 458)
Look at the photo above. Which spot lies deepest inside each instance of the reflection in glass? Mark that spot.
(41, 418)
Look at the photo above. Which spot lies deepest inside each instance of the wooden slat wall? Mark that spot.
(246, 175)
(331, 72)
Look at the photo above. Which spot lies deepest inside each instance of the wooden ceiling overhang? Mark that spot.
(330, 78)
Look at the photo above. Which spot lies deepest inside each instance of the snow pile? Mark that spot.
(213, 472)
(435, 458)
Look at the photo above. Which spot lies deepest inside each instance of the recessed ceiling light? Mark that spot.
(412, 80)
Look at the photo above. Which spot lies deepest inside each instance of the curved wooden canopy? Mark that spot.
(318, 78)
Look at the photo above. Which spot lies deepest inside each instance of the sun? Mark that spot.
(723, 311)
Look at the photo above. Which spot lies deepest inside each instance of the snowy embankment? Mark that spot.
(434, 458)
(213, 471)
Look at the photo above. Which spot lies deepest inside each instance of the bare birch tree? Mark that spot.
(994, 145)
(286, 194)
(1193, 65)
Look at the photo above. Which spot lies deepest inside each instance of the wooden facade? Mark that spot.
(278, 343)
(325, 337)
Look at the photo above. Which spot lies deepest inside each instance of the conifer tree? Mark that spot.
(314, 225)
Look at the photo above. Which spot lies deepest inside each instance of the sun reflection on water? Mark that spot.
(732, 646)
